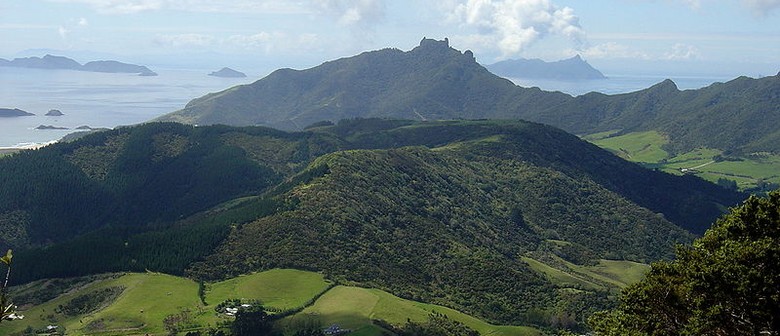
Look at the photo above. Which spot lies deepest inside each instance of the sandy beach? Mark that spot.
(9, 150)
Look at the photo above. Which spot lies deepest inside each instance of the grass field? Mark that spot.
(606, 275)
(145, 301)
(148, 298)
(280, 288)
(637, 147)
(562, 278)
(646, 148)
(354, 308)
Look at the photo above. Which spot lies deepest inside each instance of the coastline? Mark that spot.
(13, 149)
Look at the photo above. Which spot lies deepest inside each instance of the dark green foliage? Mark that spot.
(726, 283)
(436, 325)
(253, 321)
(437, 211)
(739, 116)
(168, 249)
(202, 292)
(92, 301)
(728, 184)
(304, 325)
(38, 292)
(435, 226)
(182, 320)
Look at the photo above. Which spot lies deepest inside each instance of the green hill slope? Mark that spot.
(443, 212)
(433, 224)
(355, 308)
(737, 116)
(145, 300)
(434, 82)
(430, 82)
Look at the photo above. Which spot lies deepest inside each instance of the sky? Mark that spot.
(724, 37)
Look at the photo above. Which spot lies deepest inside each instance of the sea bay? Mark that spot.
(108, 100)
(97, 100)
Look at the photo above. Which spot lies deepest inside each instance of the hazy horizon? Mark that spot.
(675, 37)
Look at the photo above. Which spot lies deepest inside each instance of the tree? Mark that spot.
(726, 283)
(728, 184)
(436, 325)
(8, 309)
(252, 321)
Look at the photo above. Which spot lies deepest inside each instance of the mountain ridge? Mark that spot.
(428, 210)
(436, 82)
(570, 69)
(417, 85)
(11, 113)
(63, 63)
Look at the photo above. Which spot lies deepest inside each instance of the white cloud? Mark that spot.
(612, 50)
(83, 22)
(273, 42)
(349, 11)
(695, 4)
(761, 7)
(363, 13)
(63, 32)
(120, 6)
(262, 39)
(513, 25)
(184, 40)
(682, 51)
(233, 6)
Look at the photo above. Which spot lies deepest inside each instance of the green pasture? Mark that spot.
(148, 298)
(637, 147)
(606, 275)
(279, 288)
(145, 301)
(646, 148)
(353, 308)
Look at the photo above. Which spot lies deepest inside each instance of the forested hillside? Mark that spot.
(446, 212)
(434, 82)
(739, 116)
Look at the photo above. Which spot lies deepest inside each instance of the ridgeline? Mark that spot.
(445, 212)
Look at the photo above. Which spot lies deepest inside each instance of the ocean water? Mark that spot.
(110, 100)
(94, 99)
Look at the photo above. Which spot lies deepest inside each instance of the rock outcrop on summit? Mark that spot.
(435, 82)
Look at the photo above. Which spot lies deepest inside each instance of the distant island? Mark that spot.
(54, 113)
(9, 113)
(64, 63)
(228, 73)
(574, 69)
(50, 127)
